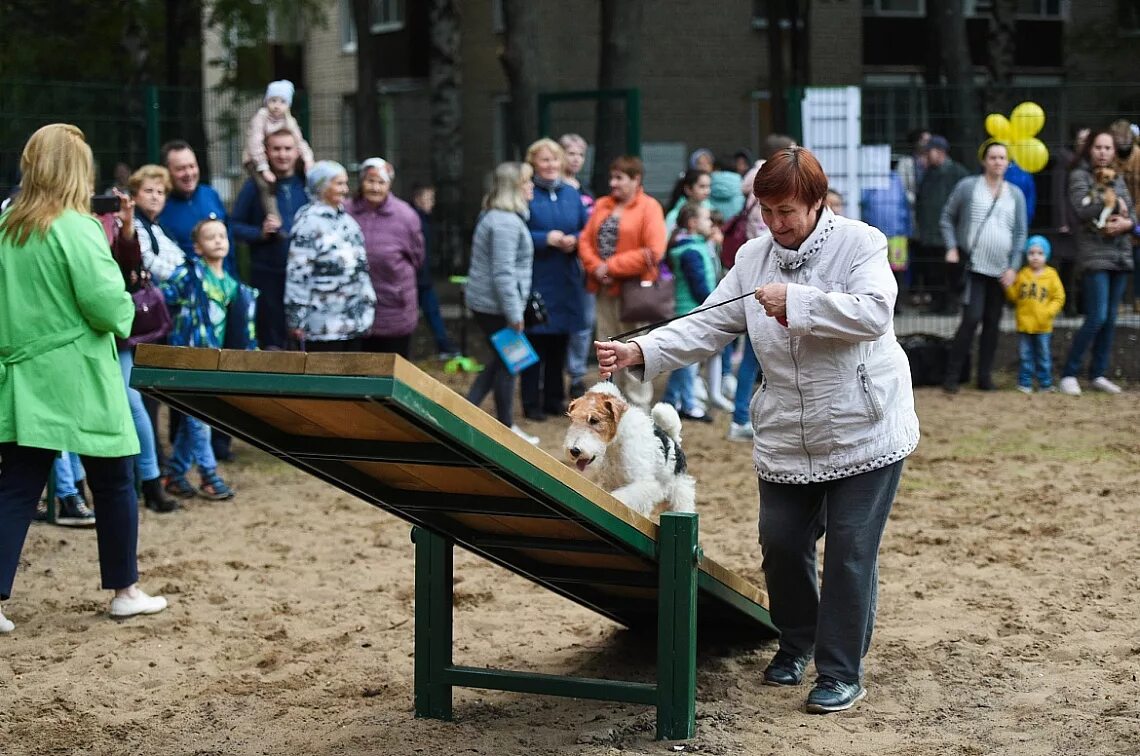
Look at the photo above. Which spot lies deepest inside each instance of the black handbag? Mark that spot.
(534, 313)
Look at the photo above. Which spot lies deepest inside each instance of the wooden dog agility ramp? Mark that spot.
(381, 429)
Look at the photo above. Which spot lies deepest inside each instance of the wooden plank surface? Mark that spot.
(310, 417)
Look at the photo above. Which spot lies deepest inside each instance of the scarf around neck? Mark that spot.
(790, 259)
(547, 185)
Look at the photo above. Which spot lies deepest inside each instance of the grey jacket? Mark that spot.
(836, 397)
(1095, 251)
(955, 225)
(502, 252)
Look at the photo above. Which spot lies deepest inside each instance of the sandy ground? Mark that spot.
(1007, 616)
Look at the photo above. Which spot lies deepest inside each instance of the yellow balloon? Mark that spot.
(1030, 154)
(997, 126)
(1026, 121)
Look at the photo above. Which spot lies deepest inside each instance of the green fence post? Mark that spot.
(677, 626)
(434, 561)
(152, 136)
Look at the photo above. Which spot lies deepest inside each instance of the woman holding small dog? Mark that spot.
(1104, 256)
(834, 417)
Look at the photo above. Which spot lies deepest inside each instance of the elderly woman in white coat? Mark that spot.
(834, 417)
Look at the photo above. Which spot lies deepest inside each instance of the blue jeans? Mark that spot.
(146, 463)
(192, 446)
(23, 472)
(578, 350)
(429, 304)
(68, 471)
(1103, 290)
(679, 388)
(1036, 359)
(745, 383)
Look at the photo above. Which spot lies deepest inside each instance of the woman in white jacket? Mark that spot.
(833, 419)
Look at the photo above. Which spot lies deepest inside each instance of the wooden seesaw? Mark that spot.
(379, 428)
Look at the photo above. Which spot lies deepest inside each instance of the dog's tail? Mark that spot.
(666, 418)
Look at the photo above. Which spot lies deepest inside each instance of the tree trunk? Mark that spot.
(777, 65)
(136, 51)
(184, 71)
(956, 116)
(522, 66)
(1002, 44)
(617, 69)
(445, 73)
(369, 136)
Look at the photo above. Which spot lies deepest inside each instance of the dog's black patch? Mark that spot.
(681, 463)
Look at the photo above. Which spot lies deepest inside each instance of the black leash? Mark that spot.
(660, 323)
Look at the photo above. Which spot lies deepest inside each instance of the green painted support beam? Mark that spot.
(553, 685)
(434, 565)
(677, 627)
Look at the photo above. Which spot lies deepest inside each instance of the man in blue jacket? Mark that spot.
(268, 236)
(191, 201)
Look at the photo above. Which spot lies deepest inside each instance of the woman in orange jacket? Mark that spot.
(624, 239)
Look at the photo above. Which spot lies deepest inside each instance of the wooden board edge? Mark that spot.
(242, 361)
(176, 358)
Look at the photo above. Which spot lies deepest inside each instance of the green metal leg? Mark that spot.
(677, 627)
(434, 565)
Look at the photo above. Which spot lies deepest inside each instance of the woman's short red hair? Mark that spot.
(792, 174)
(629, 165)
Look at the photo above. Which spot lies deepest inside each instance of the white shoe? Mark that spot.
(738, 432)
(524, 435)
(1069, 386)
(700, 390)
(728, 386)
(6, 625)
(1100, 383)
(721, 403)
(1025, 389)
(124, 606)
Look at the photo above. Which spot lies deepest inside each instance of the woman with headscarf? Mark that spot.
(394, 243)
(329, 300)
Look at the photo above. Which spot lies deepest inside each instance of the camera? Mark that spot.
(101, 204)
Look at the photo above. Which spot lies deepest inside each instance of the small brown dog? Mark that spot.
(1104, 191)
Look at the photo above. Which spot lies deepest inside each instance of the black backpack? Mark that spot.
(928, 355)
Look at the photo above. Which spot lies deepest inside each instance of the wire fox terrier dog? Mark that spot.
(637, 459)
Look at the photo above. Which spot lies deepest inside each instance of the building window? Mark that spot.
(906, 8)
(498, 17)
(348, 130)
(347, 27)
(387, 15)
(1036, 10)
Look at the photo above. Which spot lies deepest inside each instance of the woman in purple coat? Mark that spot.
(395, 245)
(557, 216)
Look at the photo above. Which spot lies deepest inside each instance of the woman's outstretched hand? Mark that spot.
(616, 355)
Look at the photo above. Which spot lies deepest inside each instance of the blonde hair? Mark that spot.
(506, 188)
(57, 175)
(546, 143)
(149, 172)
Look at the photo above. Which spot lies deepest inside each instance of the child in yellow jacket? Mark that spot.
(1037, 296)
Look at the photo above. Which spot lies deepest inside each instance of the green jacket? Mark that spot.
(62, 300)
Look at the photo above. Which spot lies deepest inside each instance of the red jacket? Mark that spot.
(640, 244)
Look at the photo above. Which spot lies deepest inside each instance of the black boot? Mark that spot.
(155, 498)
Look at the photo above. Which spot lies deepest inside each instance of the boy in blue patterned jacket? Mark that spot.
(212, 310)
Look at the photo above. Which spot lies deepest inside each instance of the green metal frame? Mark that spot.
(632, 99)
(675, 692)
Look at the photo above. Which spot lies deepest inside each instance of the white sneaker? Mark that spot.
(6, 625)
(728, 386)
(1069, 386)
(123, 606)
(722, 404)
(1100, 383)
(738, 432)
(1025, 389)
(524, 435)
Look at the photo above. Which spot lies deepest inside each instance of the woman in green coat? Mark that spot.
(62, 301)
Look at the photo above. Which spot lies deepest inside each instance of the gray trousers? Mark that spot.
(836, 621)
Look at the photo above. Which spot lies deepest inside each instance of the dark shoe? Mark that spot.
(830, 695)
(555, 411)
(577, 389)
(786, 669)
(72, 511)
(214, 488)
(950, 387)
(986, 386)
(155, 499)
(701, 418)
(178, 486)
(536, 415)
